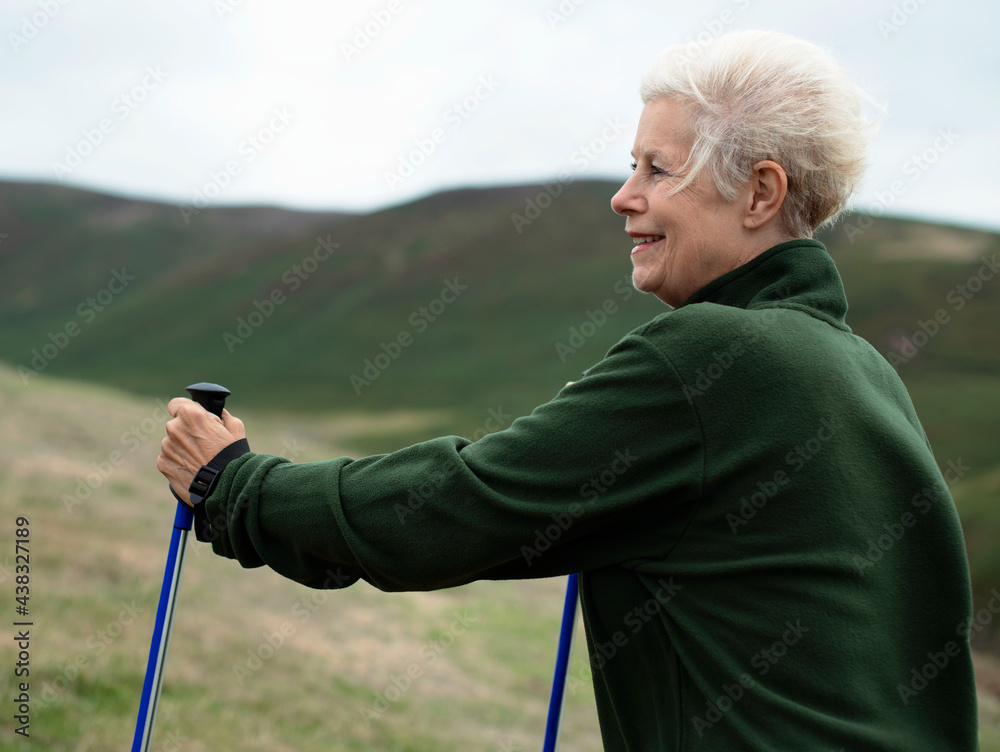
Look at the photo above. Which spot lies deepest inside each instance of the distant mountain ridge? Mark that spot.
(465, 300)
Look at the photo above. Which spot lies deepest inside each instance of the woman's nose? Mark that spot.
(628, 200)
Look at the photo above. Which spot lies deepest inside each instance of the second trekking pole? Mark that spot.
(563, 654)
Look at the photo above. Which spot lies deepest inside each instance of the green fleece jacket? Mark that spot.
(770, 557)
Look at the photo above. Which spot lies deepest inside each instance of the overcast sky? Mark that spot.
(358, 105)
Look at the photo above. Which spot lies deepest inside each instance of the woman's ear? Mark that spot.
(768, 186)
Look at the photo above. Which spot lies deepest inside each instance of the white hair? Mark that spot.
(757, 95)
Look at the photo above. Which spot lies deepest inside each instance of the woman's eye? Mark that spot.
(652, 169)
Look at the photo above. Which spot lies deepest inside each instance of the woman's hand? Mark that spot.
(194, 437)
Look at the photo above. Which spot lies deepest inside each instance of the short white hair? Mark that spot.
(758, 95)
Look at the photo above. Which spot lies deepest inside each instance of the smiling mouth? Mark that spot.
(645, 241)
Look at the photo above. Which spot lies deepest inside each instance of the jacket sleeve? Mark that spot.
(605, 473)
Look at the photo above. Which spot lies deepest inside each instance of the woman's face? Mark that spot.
(686, 240)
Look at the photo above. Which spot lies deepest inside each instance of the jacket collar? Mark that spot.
(796, 274)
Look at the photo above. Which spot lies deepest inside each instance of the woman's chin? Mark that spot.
(643, 281)
(652, 285)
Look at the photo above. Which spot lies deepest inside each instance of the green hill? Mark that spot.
(126, 294)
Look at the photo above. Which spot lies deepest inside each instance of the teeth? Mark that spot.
(646, 239)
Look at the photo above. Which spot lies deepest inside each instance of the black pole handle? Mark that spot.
(210, 396)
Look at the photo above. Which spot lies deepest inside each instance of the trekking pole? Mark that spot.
(557, 700)
(553, 724)
(212, 397)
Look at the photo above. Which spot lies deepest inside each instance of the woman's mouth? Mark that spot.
(642, 242)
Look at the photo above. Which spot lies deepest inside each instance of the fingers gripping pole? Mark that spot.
(213, 398)
(557, 700)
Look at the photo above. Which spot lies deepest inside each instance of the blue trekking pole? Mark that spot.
(557, 700)
(558, 696)
(213, 398)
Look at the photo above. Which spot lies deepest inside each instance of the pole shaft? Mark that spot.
(162, 629)
(557, 699)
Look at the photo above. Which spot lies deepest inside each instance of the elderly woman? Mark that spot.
(770, 558)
